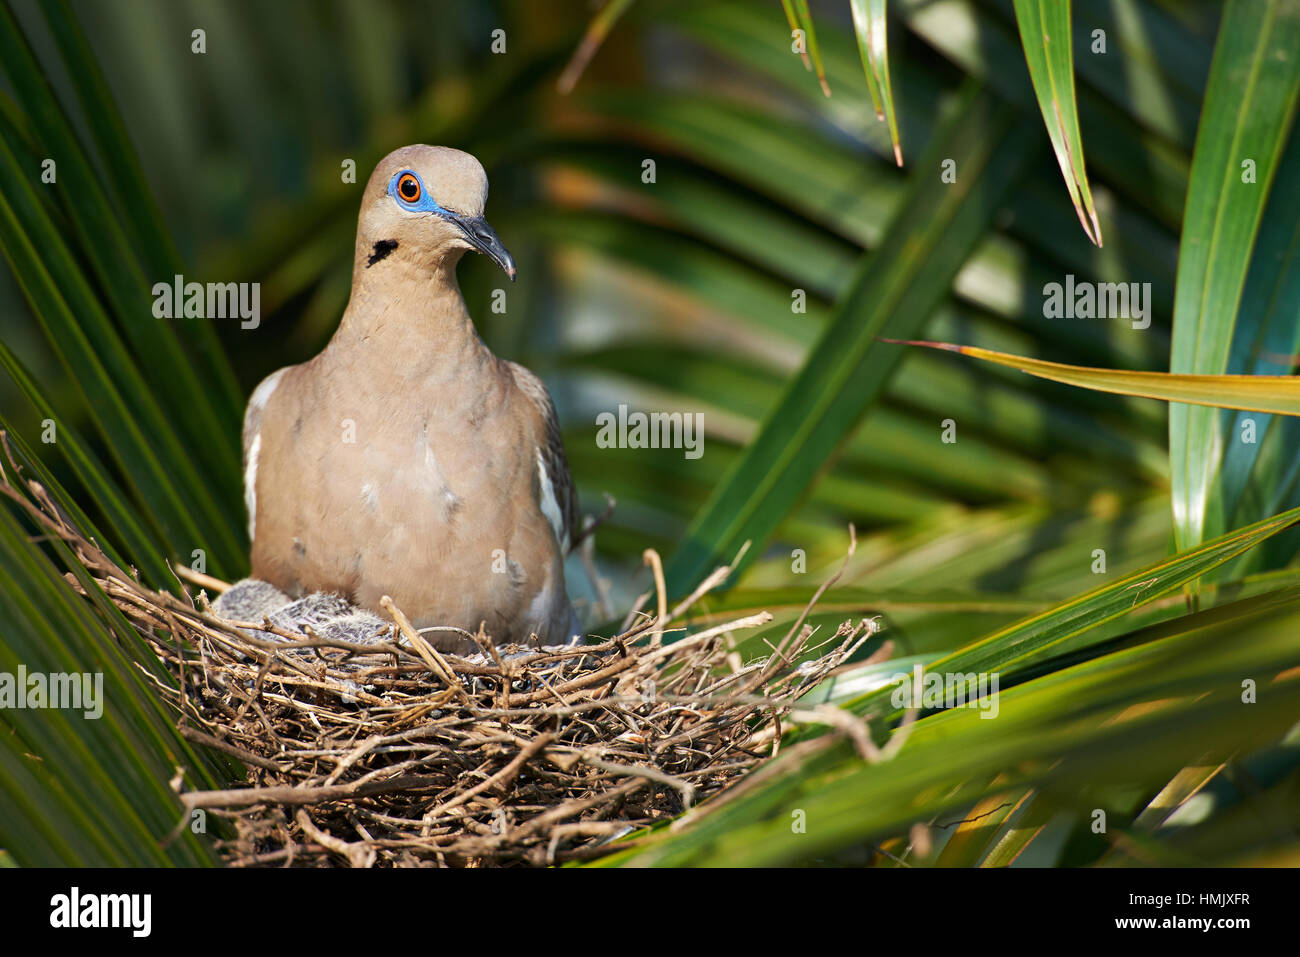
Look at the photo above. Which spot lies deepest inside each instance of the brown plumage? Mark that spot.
(406, 459)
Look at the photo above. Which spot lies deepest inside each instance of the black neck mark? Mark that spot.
(382, 249)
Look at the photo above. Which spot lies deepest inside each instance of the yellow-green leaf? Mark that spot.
(1278, 394)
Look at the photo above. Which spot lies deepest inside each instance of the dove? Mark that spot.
(406, 459)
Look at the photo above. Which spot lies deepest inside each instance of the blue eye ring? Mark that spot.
(407, 189)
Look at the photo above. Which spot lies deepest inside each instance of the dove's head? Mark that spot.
(424, 204)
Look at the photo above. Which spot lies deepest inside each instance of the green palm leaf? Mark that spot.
(1045, 33)
(1249, 108)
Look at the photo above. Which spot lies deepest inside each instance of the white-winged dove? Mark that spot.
(406, 459)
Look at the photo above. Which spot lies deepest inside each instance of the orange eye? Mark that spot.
(409, 187)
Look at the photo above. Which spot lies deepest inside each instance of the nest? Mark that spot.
(388, 752)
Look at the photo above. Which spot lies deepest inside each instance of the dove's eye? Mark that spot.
(408, 186)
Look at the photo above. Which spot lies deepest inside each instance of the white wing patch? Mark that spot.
(262, 394)
(551, 506)
(256, 403)
(250, 484)
(252, 415)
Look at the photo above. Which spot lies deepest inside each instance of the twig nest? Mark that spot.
(363, 745)
(374, 755)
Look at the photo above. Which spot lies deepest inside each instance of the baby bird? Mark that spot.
(406, 459)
